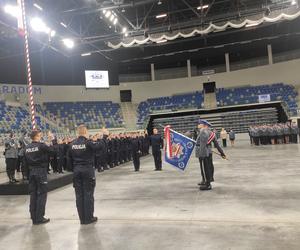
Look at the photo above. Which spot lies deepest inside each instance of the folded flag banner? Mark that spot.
(178, 148)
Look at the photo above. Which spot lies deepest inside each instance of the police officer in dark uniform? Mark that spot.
(136, 148)
(98, 161)
(60, 156)
(157, 144)
(36, 158)
(105, 150)
(114, 151)
(81, 155)
(129, 137)
(146, 143)
(53, 158)
(110, 152)
(118, 149)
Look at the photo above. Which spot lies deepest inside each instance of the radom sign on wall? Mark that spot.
(18, 90)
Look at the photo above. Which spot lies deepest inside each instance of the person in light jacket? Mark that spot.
(223, 136)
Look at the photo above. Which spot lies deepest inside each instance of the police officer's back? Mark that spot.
(81, 155)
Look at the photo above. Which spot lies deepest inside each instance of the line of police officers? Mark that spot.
(118, 149)
(281, 133)
(82, 158)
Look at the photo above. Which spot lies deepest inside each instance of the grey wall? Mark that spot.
(287, 72)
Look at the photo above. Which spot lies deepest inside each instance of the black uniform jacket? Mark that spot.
(157, 142)
(37, 154)
(82, 151)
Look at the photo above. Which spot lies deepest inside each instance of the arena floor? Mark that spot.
(254, 204)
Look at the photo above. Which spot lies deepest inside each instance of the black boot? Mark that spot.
(206, 187)
(43, 221)
(93, 220)
(202, 183)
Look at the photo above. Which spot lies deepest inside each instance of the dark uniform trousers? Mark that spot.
(206, 170)
(38, 193)
(110, 159)
(136, 160)
(84, 183)
(11, 164)
(115, 158)
(24, 168)
(60, 164)
(211, 167)
(98, 162)
(157, 159)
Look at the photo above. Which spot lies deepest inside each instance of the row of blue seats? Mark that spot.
(18, 119)
(95, 114)
(175, 102)
(225, 97)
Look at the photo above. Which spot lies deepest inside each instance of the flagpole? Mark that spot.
(28, 65)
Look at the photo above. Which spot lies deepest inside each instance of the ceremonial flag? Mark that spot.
(178, 148)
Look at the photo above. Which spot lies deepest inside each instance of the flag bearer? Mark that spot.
(203, 150)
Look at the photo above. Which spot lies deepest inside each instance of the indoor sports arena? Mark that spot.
(149, 124)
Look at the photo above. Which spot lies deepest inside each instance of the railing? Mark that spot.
(135, 78)
(249, 64)
(286, 56)
(164, 74)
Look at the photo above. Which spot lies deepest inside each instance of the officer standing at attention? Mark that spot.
(157, 144)
(136, 147)
(204, 139)
(81, 155)
(36, 158)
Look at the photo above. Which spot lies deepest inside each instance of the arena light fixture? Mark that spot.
(69, 43)
(126, 34)
(159, 2)
(112, 17)
(124, 30)
(86, 54)
(203, 7)
(108, 14)
(37, 24)
(12, 10)
(294, 2)
(104, 11)
(63, 24)
(161, 15)
(38, 7)
(52, 33)
(115, 21)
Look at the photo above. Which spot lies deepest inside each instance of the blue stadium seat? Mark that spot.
(93, 114)
(176, 102)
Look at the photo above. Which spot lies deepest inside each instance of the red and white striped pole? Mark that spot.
(27, 61)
